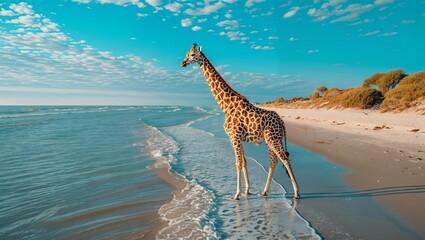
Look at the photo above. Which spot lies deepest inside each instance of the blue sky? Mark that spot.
(129, 52)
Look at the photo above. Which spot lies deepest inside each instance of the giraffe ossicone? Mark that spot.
(245, 123)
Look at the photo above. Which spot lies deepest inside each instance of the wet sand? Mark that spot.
(385, 157)
(173, 180)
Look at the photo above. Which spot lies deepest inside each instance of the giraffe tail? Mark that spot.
(284, 138)
(286, 145)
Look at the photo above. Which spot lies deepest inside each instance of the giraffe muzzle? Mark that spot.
(184, 64)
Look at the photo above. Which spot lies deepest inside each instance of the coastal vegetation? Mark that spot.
(392, 91)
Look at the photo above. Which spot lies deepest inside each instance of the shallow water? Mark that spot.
(91, 172)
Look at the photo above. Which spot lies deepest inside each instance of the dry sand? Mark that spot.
(386, 153)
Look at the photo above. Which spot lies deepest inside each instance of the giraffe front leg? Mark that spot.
(239, 155)
(239, 182)
(247, 185)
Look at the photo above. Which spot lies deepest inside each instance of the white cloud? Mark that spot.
(139, 15)
(336, 2)
(22, 8)
(387, 34)
(292, 39)
(7, 13)
(313, 51)
(381, 2)
(235, 35)
(257, 47)
(202, 20)
(26, 20)
(352, 12)
(228, 15)
(273, 38)
(186, 22)
(137, 3)
(362, 21)
(408, 21)
(174, 7)
(196, 28)
(339, 12)
(291, 13)
(43, 55)
(154, 3)
(228, 24)
(250, 3)
(319, 14)
(269, 13)
(206, 10)
(82, 1)
(370, 33)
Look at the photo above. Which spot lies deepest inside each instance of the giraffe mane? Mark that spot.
(244, 99)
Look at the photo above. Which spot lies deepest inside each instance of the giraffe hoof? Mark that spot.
(247, 193)
(263, 194)
(236, 197)
(297, 196)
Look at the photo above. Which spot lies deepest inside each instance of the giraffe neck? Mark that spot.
(225, 96)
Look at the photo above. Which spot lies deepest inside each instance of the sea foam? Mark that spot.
(209, 161)
(187, 214)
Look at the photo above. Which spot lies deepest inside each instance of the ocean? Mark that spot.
(93, 172)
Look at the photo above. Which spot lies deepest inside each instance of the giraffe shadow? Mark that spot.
(399, 190)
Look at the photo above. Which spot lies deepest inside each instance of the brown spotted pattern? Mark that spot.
(244, 122)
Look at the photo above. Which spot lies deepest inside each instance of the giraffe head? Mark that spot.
(192, 56)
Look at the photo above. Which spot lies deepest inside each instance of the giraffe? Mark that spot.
(245, 122)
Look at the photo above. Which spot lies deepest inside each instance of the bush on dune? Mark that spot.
(331, 93)
(372, 80)
(391, 91)
(385, 81)
(359, 98)
(390, 80)
(409, 91)
(314, 95)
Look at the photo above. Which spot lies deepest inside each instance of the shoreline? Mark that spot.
(387, 164)
(164, 174)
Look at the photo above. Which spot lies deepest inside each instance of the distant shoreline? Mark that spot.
(384, 151)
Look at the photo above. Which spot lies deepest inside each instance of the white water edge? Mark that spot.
(204, 209)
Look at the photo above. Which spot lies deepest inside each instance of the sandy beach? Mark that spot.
(384, 152)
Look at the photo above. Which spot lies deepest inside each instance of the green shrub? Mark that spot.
(410, 89)
(359, 98)
(321, 90)
(331, 93)
(389, 80)
(315, 95)
(372, 79)
(416, 78)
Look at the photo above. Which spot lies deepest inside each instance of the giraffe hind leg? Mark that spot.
(278, 149)
(273, 163)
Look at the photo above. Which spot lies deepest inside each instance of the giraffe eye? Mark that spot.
(192, 54)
